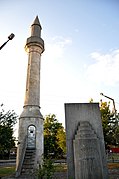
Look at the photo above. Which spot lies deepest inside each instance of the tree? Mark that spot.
(110, 123)
(7, 121)
(54, 137)
(61, 138)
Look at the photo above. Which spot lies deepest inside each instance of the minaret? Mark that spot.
(30, 135)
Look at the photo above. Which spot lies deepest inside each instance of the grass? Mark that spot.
(6, 171)
(60, 168)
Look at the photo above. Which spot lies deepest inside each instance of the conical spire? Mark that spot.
(36, 21)
(36, 28)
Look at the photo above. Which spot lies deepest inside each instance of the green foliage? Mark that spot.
(110, 123)
(91, 100)
(7, 121)
(54, 137)
(61, 138)
(7, 118)
(47, 170)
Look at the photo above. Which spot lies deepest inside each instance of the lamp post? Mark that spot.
(115, 113)
(10, 37)
(114, 108)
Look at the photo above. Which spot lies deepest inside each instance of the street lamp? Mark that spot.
(10, 37)
(114, 108)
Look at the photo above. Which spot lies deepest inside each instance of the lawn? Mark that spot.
(5, 171)
(61, 168)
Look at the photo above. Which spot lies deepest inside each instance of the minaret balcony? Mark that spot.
(35, 41)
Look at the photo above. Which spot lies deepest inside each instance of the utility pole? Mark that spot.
(10, 37)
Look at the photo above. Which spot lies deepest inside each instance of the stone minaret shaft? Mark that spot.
(30, 133)
(34, 47)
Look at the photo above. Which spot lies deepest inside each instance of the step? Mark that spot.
(26, 162)
(27, 166)
(26, 172)
(30, 153)
(26, 177)
(29, 157)
(30, 149)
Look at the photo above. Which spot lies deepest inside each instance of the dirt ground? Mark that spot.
(113, 174)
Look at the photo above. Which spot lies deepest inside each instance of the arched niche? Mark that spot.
(31, 136)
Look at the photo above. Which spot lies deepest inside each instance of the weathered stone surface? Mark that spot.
(75, 113)
(31, 120)
(87, 156)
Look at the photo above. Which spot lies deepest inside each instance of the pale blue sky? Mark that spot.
(81, 57)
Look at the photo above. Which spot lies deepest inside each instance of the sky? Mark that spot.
(81, 57)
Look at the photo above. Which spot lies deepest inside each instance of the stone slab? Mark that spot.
(74, 113)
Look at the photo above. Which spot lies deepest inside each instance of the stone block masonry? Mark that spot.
(30, 133)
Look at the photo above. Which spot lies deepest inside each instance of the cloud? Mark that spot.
(105, 68)
(55, 47)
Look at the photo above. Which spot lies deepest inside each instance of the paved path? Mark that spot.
(7, 163)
